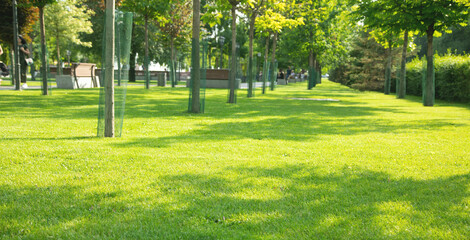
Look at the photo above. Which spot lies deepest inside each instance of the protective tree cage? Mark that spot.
(273, 75)
(48, 73)
(123, 39)
(429, 91)
(202, 58)
(265, 75)
(312, 75)
(251, 76)
(237, 70)
(172, 65)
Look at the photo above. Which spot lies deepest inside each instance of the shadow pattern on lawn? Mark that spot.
(292, 202)
(298, 129)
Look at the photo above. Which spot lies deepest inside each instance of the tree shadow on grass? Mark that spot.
(76, 104)
(297, 129)
(291, 202)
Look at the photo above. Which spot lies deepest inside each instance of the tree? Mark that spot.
(149, 10)
(252, 10)
(41, 4)
(175, 29)
(232, 76)
(277, 17)
(27, 15)
(109, 79)
(312, 38)
(436, 16)
(390, 18)
(66, 20)
(195, 65)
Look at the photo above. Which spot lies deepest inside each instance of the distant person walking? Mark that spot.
(288, 72)
(24, 53)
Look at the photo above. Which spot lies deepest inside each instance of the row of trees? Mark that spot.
(305, 33)
(391, 19)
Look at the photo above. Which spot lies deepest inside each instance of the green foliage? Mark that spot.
(452, 77)
(26, 13)
(365, 68)
(456, 42)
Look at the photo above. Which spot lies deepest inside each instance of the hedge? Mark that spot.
(452, 77)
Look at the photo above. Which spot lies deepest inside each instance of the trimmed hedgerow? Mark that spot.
(452, 77)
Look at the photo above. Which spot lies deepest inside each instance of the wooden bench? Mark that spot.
(82, 75)
(218, 78)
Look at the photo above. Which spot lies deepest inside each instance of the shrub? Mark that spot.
(452, 77)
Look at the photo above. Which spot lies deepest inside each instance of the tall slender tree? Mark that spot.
(149, 10)
(41, 4)
(196, 68)
(109, 79)
(252, 10)
(434, 16)
(66, 20)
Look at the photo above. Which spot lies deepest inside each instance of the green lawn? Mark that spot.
(271, 167)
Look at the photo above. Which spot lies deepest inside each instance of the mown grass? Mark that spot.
(367, 167)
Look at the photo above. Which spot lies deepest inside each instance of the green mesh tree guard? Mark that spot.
(429, 91)
(147, 72)
(48, 73)
(397, 83)
(123, 39)
(265, 75)
(178, 72)
(237, 72)
(312, 75)
(172, 66)
(202, 58)
(251, 76)
(273, 75)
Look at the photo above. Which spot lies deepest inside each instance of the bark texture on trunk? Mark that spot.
(146, 59)
(109, 79)
(233, 70)
(43, 52)
(428, 86)
(196, 68)
(401, 86)
(388, 69)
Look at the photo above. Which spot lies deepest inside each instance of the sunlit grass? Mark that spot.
(369, 166)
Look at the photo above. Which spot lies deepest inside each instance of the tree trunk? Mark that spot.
(109, 81)
(196, 68)
(250, 55)
(146, 59)
(233, 70)
(401, 86)
(209, 56)
(388, 69)
(57, 46)
(172, 62)
(132, 65)
(428, 86)
(318, 70)
(43, 52)
(273, 64)
(311, 70)
(16, 48)
(265, 71)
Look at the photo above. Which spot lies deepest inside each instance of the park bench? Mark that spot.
(218, 78)
(82, 75)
